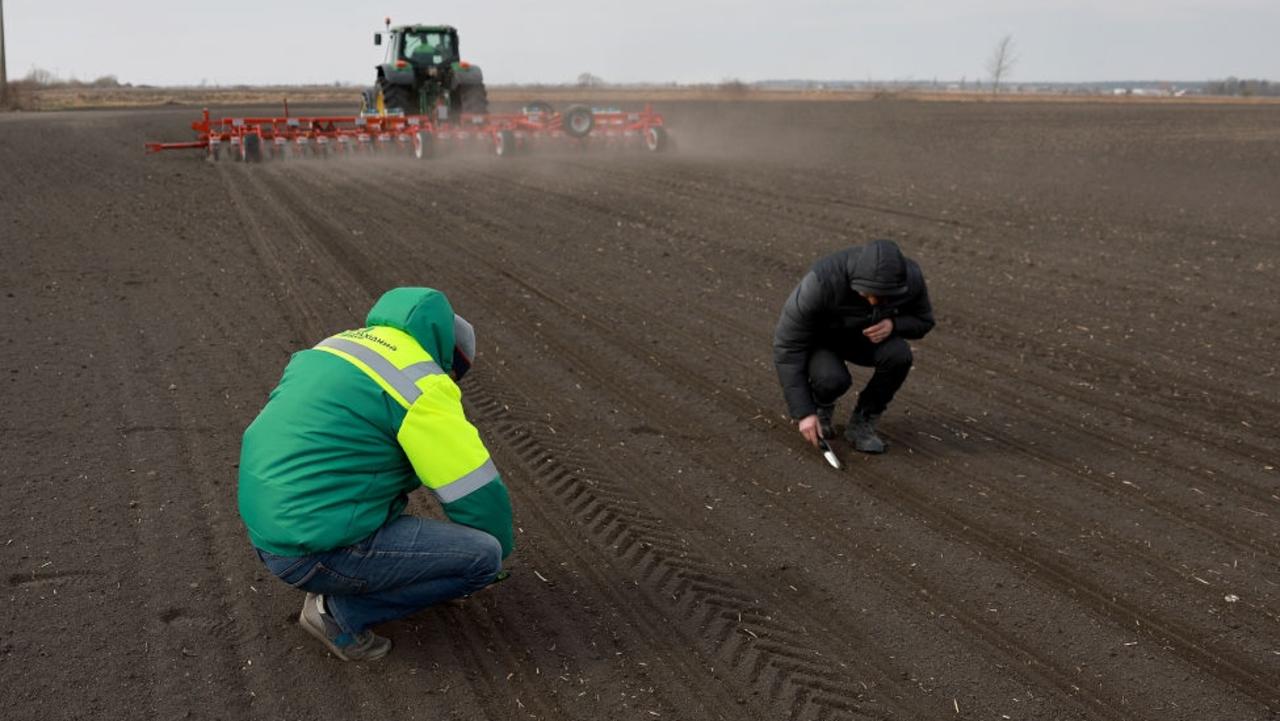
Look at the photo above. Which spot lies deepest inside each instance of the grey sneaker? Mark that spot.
(825, 427)
(862, 432)
(316, 621)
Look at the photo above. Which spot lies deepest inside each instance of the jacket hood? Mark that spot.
(879, 269)
(425, 314)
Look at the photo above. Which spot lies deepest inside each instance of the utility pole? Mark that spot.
(4, 73)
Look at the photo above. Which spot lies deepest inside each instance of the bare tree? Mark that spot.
(1001, 62)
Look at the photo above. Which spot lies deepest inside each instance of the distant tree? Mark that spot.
(40, 77)
(733, 86)
(587, 80)
(1001, 62)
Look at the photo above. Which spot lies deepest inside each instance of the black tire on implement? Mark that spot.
(656, 139)
(578, 120)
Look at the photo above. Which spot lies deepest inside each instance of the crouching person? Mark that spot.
(355, 425)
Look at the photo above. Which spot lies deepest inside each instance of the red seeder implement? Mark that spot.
(258, 138)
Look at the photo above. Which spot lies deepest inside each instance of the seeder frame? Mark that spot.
(255, 138)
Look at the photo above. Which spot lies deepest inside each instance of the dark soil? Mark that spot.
(1077, 519)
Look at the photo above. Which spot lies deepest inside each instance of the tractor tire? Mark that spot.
(251, 148)
(474, 99)
(656, 139)
(578, 120)
(399, 97)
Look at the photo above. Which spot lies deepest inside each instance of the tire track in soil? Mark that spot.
(1008, 646)
(782, 666)
(806, 210)
(152, 526)
(1071, 468)
(300, 313)
(778, 658)
(688, 372)
(1245, 452)
(1056, 575)
(806, 207)
(1257, 495)
(1017, 653)
(315, 223)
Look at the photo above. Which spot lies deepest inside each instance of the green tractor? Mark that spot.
(423, 74)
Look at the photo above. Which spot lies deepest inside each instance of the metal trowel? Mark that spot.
(829, 454)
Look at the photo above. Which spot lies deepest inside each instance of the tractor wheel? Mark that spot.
(399, 97)
(251, 148)
(504, 144)
(578, 121)
(474, 99)
(655, 138)
(369, 100)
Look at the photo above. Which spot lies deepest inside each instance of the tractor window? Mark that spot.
(422, 47)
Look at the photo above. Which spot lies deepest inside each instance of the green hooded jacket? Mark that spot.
(359, 422)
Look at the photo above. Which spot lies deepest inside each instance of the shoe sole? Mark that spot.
(319, 635)
(335, 649)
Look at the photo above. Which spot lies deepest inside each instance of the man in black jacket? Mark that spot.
(859, 305)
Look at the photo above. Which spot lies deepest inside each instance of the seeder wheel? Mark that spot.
(504, 144)
(655, 138)
(422, 145)
(578, 121)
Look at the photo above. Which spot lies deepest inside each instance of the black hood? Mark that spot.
(879, 269)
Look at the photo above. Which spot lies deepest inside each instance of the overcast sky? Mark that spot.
(176, 42)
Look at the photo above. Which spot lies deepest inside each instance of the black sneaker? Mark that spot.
(316, 621)
(862, 432)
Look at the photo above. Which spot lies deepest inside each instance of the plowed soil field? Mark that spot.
(1078, 517)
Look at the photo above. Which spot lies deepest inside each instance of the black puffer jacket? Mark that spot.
(826, 305)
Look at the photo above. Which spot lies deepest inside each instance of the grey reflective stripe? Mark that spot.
(418, 371)
(473, 481)
(402, 382)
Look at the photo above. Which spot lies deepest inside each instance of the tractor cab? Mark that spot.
(420, 46)
(422, 73)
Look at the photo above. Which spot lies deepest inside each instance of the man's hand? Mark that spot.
(809, 428)
(879, 331)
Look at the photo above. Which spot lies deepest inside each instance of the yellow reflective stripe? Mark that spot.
(441, 444)
(367, 371)
(380, 352)
(381, 367)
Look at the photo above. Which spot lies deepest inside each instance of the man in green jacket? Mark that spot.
(356, 424)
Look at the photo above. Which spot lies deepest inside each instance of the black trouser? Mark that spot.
(829, 378)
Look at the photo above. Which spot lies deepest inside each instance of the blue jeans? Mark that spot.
(405, 566)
